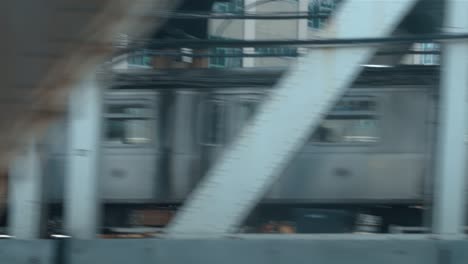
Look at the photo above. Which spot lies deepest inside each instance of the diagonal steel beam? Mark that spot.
(284, 121)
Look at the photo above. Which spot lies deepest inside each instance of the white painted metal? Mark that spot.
(449, 185)
(249, 32)
(272, 249)
(284, 122)
(81, 184)
(26, 194)
(302, 28)
(258, 249)
(302, 24)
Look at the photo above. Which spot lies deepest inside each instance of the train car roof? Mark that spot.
(405, 75)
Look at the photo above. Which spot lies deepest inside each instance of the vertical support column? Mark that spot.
(249, 32)
(302, 26)
(26, 208)
(449, 193)
(81, 183)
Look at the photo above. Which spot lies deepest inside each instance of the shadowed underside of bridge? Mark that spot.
(45, 47)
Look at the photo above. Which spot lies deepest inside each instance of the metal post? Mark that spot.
(81, 184)
(302, 24)
(449, 185)
(249, 32)
(25, 216)
(284, 122)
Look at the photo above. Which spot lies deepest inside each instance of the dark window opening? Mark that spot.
(350, 121)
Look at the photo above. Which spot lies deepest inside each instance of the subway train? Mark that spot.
(162, 130)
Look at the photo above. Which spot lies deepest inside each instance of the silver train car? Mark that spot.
(163, 130)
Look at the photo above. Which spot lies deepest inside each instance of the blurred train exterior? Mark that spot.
(160, 137)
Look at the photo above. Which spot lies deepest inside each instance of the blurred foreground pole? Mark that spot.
(285, 121)
(26, 203)
(449, 193)
(81, 183)
(249, 28)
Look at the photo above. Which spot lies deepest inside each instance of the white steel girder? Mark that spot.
(249, 28)
(449, 193)
(81, 183)
(26, 195)
(284, 121)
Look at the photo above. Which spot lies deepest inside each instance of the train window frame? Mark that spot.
(376, 114)
(150, 116)
(203, 128)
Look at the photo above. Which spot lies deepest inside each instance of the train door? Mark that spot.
(185, 151)
(130, 147)
(213, 128)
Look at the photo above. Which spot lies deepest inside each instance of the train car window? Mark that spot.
(350, 121)
(214, 122)
(128, 123)
(128, 131)
(354, 105)
(130, 109)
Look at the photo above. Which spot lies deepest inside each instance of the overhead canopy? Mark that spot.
(47, 45)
